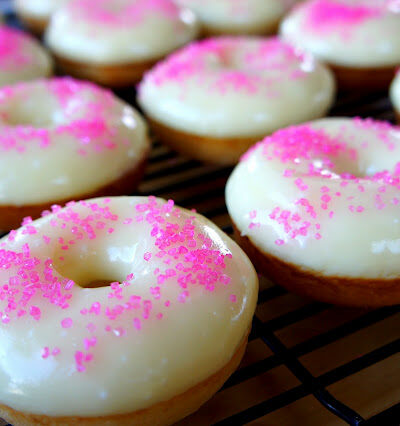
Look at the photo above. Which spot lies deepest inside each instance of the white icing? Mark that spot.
(22, 58)
(39, 9)
(61, 158)
(240, 16)
(353, 41)
(233, 87)
(104, 33)
(164, 358)
(352, 243)
(395, 92)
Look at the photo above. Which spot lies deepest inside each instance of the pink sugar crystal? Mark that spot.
(67, 323)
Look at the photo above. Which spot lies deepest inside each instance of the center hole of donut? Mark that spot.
(96, 284)
(91, 271)
(32, 111)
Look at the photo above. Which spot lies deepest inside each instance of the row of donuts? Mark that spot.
(243, 88)
(357, 39)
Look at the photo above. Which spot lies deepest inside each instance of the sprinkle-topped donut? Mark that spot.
(115, 307)
(21, 57)
(111, 40)
(351, 34)
(395, 94)
(35, 14)
(239, 16)
(63, 138)
(318, 204)
(234, 90)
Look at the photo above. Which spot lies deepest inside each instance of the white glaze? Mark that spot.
(68, 120)
(102, 32)
(233, 87)
(352, 243)
(38, 9)
(370, 42)
(239, 16)
(22, 58)
(166, 357)
(395, 92)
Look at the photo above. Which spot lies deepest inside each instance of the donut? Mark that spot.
(258, 17)
(395, 95)
(316, 207)
(119, 311)
(113, 43)
(215, 98)
(358, 39)
(35, 14)
(62, 139)
(22, 58)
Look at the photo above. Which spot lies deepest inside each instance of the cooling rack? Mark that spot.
(307, 363)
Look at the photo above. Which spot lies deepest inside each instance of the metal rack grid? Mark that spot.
(300, 351)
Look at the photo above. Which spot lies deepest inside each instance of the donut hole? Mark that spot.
(94, 268)
(96, 284)
(36, 110)
(343, 165)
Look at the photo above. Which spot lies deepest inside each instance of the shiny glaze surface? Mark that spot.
(121, 31)
(22, 58)
(181, 300)
(41, 9)
(239, 16)
(353, 33)
(236, 87)
(61, 138)
(324, 196)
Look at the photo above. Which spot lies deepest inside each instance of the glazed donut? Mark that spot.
(359, 39)
(131, 312)
(395, 95)
(113, 43)
(61, 139)
(21, 57)
(316, 208)
(238, 17)
(35, 14)
(214, 98)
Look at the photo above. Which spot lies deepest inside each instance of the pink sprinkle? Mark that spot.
(67, 323)
(233, 298)
(55, 351)
(137, 323)
(147, 256)
(279, 242)
(45, 352)
(35, 312)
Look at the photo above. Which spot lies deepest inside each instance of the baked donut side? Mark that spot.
(337, 290)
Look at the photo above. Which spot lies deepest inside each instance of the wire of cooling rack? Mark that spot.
(194, 185)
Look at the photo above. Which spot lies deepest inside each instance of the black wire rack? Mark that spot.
(307, 363)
